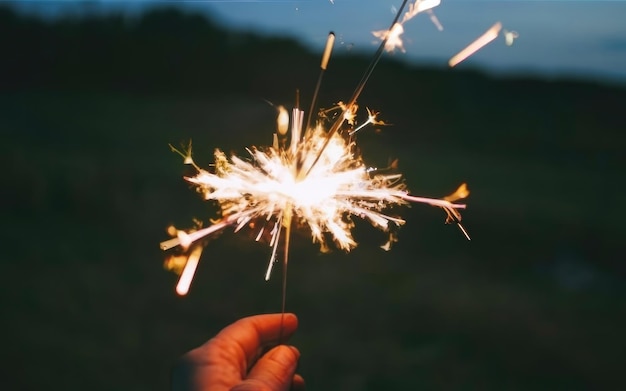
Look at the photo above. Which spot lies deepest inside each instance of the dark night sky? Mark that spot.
(556, 38)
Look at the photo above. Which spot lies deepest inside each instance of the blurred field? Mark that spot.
(531, 303)
(535, 302)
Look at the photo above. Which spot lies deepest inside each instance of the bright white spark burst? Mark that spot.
(318, 182)
(311, 177)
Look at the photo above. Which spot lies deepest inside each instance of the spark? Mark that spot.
(190, 269)
(435, 20)
(479, 43)
(349, 112)
(510, 36)
(311, 178)
(392, 36)
(419, 6)
(282, 120)
(371, 119)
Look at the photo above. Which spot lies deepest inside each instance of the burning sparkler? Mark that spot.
(312, 177)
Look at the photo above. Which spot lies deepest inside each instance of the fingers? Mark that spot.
(297, 383)
(254, 333)
(274, 371)
(225, 359)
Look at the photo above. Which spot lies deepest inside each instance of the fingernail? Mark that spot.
(295, 351)
(285, 355)
(291, 318)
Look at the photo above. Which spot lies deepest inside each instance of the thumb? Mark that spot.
(272, 372)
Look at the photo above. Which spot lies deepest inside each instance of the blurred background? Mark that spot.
(92, 93)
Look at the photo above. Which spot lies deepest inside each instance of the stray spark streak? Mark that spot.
(482, 41)
(311, 177)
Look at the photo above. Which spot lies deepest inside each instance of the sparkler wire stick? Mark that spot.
(274, 244)
(285, 263)
(358, 90)
(329, 48)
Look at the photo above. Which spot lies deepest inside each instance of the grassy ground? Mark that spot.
(534, 302)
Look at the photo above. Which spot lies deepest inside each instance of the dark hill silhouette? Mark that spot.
(170, 52)
(164, 51)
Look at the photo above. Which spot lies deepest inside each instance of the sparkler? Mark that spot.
(312, 177)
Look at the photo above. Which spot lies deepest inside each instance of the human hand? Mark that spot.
(237, 359)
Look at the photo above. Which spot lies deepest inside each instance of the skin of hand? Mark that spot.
(244, 356)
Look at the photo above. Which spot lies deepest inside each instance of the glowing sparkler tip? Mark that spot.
(329, 48)
(282, 120)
